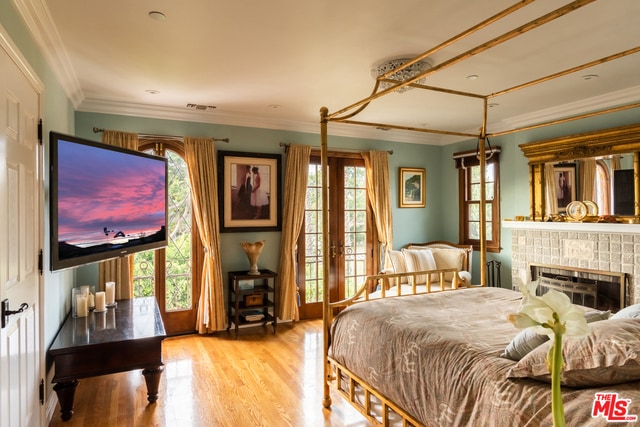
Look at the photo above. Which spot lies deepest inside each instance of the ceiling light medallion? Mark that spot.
(402, 75)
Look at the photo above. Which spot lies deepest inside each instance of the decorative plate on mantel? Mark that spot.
(592, 208)
(577, 210)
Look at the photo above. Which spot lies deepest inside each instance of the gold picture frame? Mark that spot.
(412, 188)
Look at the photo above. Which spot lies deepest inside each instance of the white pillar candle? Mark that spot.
(100, 301)
(91, 300)
(82, 309)
(110, 292)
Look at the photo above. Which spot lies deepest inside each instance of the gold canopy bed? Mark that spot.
(360, 379)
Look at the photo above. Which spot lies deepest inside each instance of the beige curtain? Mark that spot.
(615, 163)
(295, 183)
(551, 196)
(118, 270)
(587, 179)
(201, 163)
(379, 190)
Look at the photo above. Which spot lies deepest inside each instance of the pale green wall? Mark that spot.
(410, 225)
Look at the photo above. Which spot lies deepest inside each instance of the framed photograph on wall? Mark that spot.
(565, 182)
(249, 193)
(412, 191)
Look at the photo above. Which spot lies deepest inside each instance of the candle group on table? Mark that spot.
(84, 299)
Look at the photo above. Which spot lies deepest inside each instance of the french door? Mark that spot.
(351, 234)
(173, 273)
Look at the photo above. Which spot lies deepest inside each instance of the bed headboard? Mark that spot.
(443, 244)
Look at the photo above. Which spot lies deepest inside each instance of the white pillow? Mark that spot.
(398, 263)
(631, 312)
(449, 258)
(420, 260)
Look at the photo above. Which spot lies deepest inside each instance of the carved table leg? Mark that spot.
(152, 378)
(66, 391)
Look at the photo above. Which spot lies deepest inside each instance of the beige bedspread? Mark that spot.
(437, 356)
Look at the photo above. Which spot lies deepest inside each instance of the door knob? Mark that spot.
(6, 312)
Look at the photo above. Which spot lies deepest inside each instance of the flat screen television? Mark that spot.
(623, 193)
(105, 201)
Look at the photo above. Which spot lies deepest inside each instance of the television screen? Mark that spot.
(105, 201)
(623, 192)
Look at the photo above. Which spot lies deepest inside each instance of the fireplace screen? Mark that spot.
(602, 290)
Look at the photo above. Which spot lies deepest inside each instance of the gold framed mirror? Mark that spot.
(624, 140)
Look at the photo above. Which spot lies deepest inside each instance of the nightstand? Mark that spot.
(252, 299)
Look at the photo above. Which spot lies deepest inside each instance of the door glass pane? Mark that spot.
(178, 265)
(313, 237)
(355, 228)
(144, 274)
(144, 271)
(178, 294)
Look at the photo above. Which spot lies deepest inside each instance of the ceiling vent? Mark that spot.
(201, 107)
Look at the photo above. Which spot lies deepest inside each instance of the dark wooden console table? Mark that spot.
(126, 337)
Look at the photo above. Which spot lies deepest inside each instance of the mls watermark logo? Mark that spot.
(612, 408)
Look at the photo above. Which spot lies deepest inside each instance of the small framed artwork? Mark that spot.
(412, 189)
(565, 182)
(249, 196)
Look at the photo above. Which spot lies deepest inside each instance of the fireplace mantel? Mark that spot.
(589, 245)
(589, 227)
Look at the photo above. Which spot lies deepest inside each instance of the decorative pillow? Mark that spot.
(449, 258)
(609, 355)
(631, 312)
(420, 260)
(523, 343)
(527, 340)
(398, 263)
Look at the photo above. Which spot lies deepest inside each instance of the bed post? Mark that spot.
(326, 313)
(483, 196)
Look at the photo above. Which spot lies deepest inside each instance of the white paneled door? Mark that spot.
(20, 241)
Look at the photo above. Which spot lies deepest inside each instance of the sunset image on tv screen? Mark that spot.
(108, 197)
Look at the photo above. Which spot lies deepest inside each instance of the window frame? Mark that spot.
(464, 162)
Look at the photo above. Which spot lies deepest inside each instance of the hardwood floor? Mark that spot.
(260, 379)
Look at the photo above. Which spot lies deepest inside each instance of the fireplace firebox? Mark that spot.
(602, 290)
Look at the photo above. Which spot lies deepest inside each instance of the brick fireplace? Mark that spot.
(593, 246)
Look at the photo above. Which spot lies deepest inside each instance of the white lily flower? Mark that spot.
(554, 315)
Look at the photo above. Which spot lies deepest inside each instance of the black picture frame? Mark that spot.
(243, 209)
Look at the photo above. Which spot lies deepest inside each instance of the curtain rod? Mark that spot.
(349, 150)
(148, 135)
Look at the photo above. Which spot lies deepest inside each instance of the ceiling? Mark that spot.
(275, 64)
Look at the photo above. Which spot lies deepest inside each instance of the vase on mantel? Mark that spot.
(253, 251)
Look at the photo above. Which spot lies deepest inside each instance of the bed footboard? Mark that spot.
(366, 399)
(369, 402)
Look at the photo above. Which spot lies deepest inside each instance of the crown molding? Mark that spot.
(613, 99)
(94, 105)
(37, 18)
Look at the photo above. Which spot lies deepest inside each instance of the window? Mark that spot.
(469, 195)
